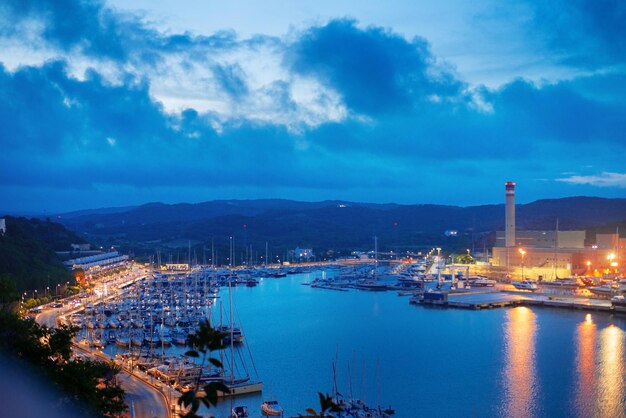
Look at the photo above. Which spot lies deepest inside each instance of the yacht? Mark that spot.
(179, 337)
(525, 285)
(480, 281)
(243, 384)
(619, 303)
(239, 412)
(234, 333)
(605, 289)
(371, 285)
(566, 283)
(271, 409)
(122, 340)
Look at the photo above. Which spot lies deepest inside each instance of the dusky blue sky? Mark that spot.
(125, 102)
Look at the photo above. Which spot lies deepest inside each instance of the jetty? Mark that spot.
(476, 300)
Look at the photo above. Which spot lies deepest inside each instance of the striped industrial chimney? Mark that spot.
(509, 233)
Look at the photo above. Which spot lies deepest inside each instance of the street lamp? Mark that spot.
(611, 258)
(523, 253)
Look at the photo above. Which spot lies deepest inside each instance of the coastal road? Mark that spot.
(48, 317)
(143, 401)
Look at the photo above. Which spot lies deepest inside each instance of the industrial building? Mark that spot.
(550, 254)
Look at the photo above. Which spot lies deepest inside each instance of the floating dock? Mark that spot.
(501, 299)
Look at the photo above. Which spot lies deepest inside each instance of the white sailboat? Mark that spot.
(244, 384)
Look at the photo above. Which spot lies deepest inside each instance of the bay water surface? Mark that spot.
(517, 362)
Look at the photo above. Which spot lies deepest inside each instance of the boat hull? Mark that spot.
(241, 389)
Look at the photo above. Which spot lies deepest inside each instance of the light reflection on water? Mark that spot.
(586, 367)
(520, 380)
(612, 373)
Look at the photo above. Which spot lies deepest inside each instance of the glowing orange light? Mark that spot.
(610, 257)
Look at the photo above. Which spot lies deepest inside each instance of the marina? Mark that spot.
(151, 319)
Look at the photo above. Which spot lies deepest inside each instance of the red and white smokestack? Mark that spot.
(509, 233)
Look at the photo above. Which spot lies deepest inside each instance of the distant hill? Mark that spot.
(331, 224)
(27, 253)
(100, 211)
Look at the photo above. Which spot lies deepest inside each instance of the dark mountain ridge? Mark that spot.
(334, 224)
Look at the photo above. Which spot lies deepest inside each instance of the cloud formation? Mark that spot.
(334, 110)
(587, 33)
(604, 179)
(375, 70)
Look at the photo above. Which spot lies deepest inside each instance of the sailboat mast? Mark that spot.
(556, 248)
(375, 256)
(230, 307)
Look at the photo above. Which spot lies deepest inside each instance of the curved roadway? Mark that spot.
(143, 400)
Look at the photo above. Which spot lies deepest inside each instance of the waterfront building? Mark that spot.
(98, 262)
(3, 226)
(544, 239)
(177, 267)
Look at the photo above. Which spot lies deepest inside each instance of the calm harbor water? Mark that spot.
(516, 362)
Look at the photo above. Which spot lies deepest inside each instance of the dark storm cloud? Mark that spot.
(585, 33)
(409, 117)
(376, 71)
(44, 109)
(63, 132)
(91, 28)
(69, 24)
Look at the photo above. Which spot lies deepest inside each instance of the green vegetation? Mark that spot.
(27, 257)
(89, 385)
(463, 259)
(8, 289)
(327, 405)
(205, 340)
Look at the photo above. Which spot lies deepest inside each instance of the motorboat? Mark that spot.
(481, 281)
(529, 285)
(179, 338)
(605, 289)
(371, 285)
(566, 283)
(239, 412)
(271, 409)
(122, 340)
(235, 333)
(619, 303)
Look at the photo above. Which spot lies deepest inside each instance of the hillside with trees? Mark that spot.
(337, 226)
(28, 258)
